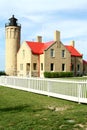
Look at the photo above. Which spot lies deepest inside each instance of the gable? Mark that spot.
(24, 48)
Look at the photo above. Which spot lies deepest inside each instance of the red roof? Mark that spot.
(38, 47)
(84, 62)
(73, 51)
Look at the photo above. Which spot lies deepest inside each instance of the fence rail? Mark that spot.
(64, 89)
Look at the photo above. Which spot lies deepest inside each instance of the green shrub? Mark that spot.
(2, 73)
(57, 74)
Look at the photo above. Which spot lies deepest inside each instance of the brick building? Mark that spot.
(34, 58)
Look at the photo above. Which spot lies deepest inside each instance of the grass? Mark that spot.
(20, 110)
(74, 78)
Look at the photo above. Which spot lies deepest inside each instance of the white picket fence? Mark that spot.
(64, 89)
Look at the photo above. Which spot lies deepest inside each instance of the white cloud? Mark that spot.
(68, 28)
(21, 7)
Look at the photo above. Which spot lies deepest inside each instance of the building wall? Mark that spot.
(27, 62)
(57, 60)
(77, 63)
(85, 68)
(24, 59)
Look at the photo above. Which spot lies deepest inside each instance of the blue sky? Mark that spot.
(43, 17)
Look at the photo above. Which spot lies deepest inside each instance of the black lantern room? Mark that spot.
(12, 22)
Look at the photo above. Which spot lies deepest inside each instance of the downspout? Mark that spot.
(70, 67)
(38, 65)
(75, 65)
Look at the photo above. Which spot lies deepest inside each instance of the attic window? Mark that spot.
(23, 53)
(63, 53)
(52, 53)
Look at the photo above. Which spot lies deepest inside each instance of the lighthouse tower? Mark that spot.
(12, 32)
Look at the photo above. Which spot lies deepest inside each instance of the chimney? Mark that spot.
(72, 43)
(56, 36)
(39, 38)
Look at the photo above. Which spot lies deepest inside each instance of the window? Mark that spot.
(41, 66)
(23, 53)
(52, 67)
(63, 53)
(78, 67)
(72, 67)
(34, 66)
(63, 67)
(28, 67)
(21, 66)
(52, 53)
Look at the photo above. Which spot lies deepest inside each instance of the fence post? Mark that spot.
(14, 81)
(5, 80)
(48, 88)
(79, 92)
(28, 83)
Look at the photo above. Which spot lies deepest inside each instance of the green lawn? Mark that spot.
(20, 110)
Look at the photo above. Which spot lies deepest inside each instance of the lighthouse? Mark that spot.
(12, 36)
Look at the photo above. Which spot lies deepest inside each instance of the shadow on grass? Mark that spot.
(14, 108)
(21, 108)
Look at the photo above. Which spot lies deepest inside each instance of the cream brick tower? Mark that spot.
(12, 32)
